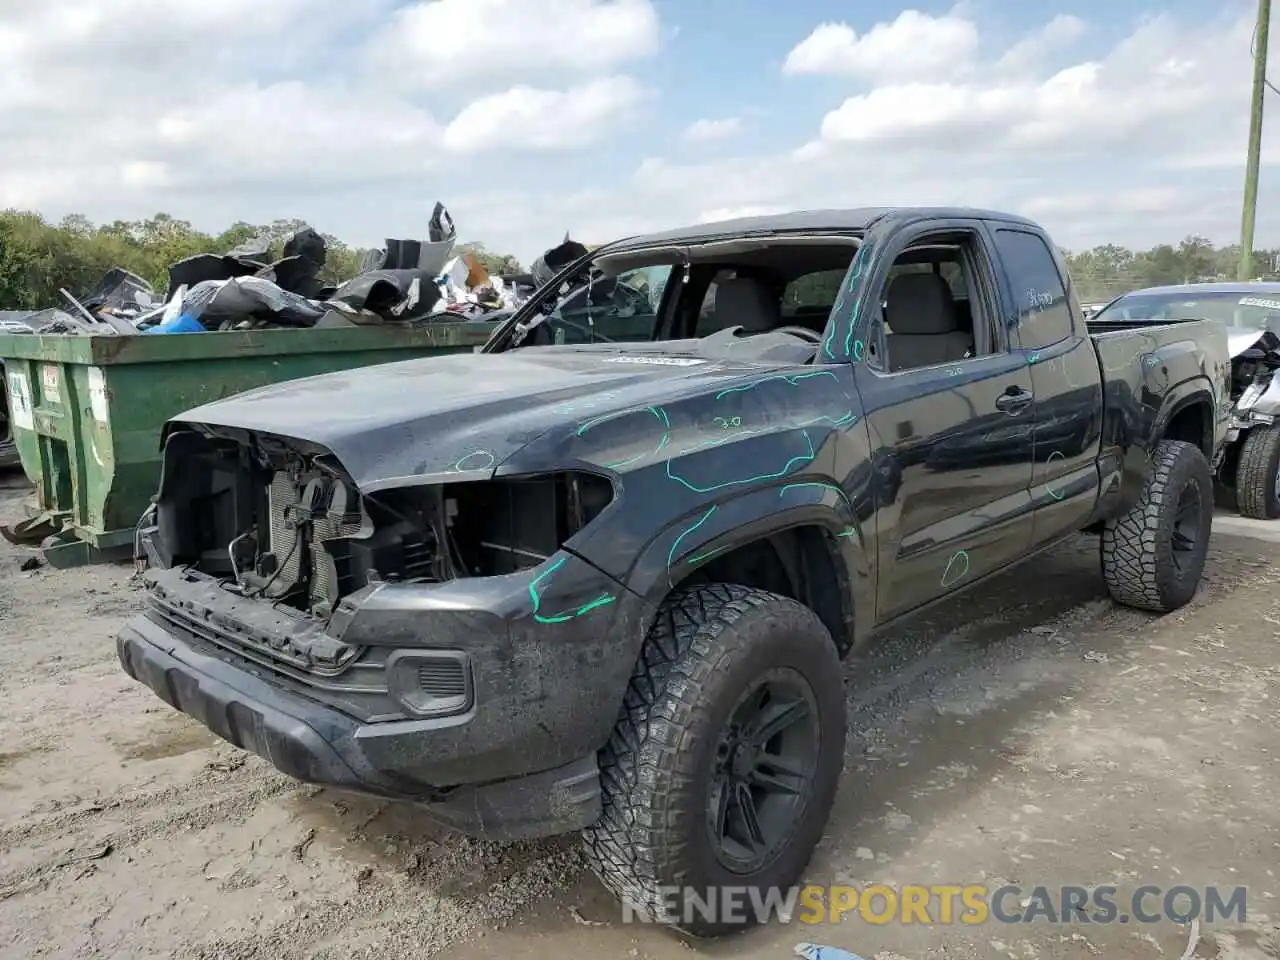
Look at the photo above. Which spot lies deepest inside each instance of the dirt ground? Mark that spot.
(1031, 732)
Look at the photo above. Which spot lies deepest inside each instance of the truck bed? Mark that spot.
(1150, 375)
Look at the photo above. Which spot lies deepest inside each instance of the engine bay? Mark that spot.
(1254, 365)
(281, 520)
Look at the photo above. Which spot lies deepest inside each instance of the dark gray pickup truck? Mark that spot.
(601, 574)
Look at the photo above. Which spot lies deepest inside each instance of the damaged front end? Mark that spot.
(263, 548)
(1255, 389)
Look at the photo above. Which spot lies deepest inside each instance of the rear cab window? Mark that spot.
(812, 296)
(1039, 291)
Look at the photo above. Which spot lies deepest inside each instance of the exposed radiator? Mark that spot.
(331, 511)
(282, 502)
(342, 518)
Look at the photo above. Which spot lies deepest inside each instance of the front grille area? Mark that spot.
(359, 689)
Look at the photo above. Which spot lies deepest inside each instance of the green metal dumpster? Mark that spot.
(86, 412)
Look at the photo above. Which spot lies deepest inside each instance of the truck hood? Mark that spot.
(1239, 339)
(460, 416)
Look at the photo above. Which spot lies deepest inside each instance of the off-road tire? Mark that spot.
(1137, 548)
(705, 649)
(1256, 493)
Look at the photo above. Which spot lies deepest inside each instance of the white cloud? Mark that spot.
(1098, 147)
(527, 118)
(914, 45)
(1150, 85)
(463, 43)
(1139, 201)
(107, 111)
(266, 131)
(1062, 31)
(310, 109)
(701, 131)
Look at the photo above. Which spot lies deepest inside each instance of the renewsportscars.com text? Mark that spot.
(932, 904)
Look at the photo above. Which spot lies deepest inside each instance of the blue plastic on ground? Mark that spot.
(813, 951)
(180, 324)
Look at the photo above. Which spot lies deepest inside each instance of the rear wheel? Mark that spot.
(722, 770)
(1153, 555)
(1257, 480)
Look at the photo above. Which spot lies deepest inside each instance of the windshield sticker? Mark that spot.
(1260, 302)
(658, 361)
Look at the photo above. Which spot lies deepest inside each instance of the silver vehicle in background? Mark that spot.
(1249, 470)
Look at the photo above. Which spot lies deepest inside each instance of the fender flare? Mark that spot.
(1190, 392)
(715, 529)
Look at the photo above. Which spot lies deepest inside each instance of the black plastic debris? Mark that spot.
(556, 259)
(297, 271)
(410, 280)
(59, 321)
(210, 266)
(214, 302)
(121, 292)
(429, 256)
(394, 295)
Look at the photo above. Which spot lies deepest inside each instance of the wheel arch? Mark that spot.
(1188, 415)
(800, 540)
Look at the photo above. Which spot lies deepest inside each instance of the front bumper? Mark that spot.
(316, 744)
(547, 663)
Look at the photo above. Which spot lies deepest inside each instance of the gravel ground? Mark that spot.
(1030, 732)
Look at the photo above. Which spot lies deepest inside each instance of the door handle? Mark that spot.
(1014, 399)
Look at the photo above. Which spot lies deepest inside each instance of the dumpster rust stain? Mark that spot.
(110, 348)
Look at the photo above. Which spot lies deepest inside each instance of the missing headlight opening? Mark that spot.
(281, 520)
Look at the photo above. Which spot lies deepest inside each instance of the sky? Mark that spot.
(1107, 120)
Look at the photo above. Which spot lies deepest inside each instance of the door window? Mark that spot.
(928, 313)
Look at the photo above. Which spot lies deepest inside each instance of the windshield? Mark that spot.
(1248, 311)
(662, 295)
(610, 309)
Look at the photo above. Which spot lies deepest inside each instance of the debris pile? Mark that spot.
(407, 282)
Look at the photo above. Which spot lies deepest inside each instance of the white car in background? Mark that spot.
(1249, 470)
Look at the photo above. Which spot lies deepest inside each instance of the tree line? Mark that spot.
(1109, 270)
(37, 258)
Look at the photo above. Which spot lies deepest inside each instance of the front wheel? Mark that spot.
(722, 770)
(1258, 475)
(1153, 555)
